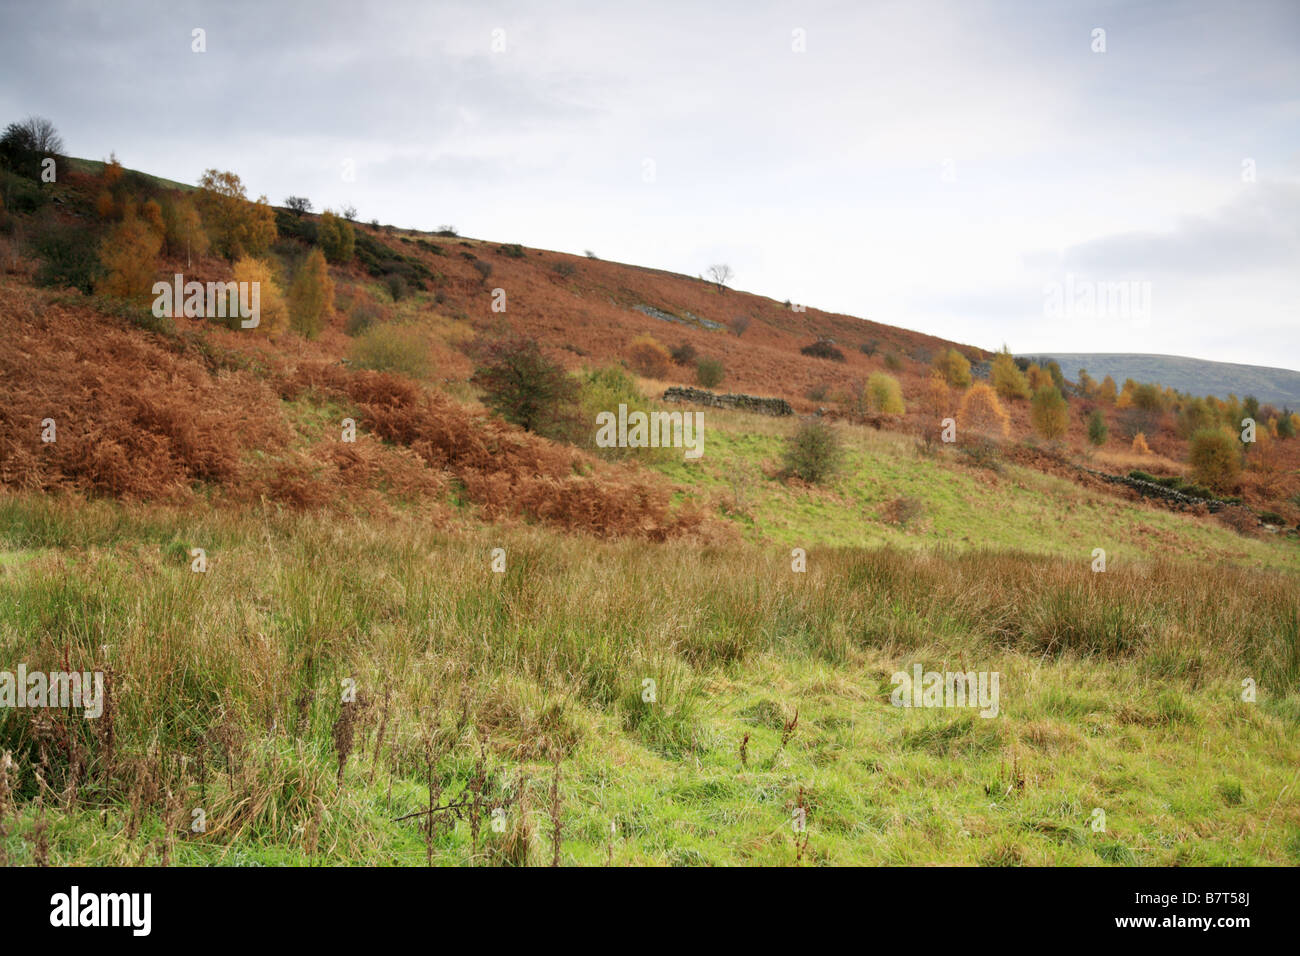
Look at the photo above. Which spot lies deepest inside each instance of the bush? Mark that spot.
(1050, 413)
(869, 348)
(565, 269)
(392, 348)
(67, 256)
(1215, 457)
(814, 452)
(362, 316)
(1140, 446)
(511, 249)
(709, 372)
(396, 286)
(1098, 431)
(893, 362)
(954, 368)
(824, 349)
(525, 387)
(884, 394)
(647, 357)
(483, 268)
(684, 354)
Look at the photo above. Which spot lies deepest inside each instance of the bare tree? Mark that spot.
(349, 212)
(298, 204)
(739, 324)
(39, 135)
(720, 274)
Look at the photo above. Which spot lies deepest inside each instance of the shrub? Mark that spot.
(1215, 457)
(67, 256)
(362, 316)
(483, 268)
(1008, 380)
(396, 286)
(954, 368)
(869, 348)
(814, 452)
(709, 372)
(739, 325)
(525, 387)
(392, 348)
(885, 395)
(647, 357)
(684, 354)
(565, 269)
(511, 249)
(1098, 431)
(902, 512)
(980, 413)
(817, 393)
(1140, 446)
(893, 362)
(1050, 413)
(824, 349)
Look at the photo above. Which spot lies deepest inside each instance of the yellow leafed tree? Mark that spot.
(274, 313)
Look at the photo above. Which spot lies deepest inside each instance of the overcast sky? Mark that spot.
(959, 168)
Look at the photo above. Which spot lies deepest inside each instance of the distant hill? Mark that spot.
(1280, 386)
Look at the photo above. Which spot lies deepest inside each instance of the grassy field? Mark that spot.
(963, 507)
(1120, 692)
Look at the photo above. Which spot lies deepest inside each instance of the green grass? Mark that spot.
(964, 507)
(1119, 692)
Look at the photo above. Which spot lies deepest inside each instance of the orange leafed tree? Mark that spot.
(981, 413)
(129, 255)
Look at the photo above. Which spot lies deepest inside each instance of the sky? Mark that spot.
(1059, 177)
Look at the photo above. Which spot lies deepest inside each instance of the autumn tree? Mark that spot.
(336, 238)
(1107, 392)
(1215, 457)
(129, 257)
(274, 314)
(1008, 380)
(237, 227)
(183, 233)
(1050, 413)
(980, 413)
(954, 367)
(884, 394)
(311, 297)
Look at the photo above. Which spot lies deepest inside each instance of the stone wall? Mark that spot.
(748, 403)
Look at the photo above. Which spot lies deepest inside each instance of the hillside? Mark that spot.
(1280, 386)
(636, 657)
